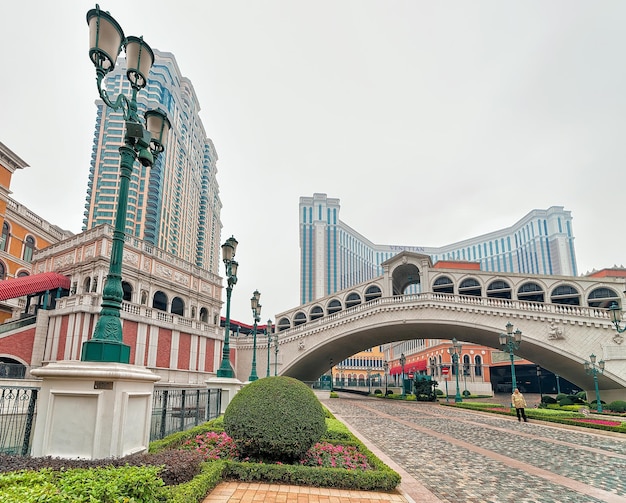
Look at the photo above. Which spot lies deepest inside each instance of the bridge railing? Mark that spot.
(443, 298)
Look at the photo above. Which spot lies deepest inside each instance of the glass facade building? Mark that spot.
(175, 204)
(333, 256)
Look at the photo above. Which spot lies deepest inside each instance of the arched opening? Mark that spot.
(178, 306)
(470, 286)
(443, 284)
(478, 366)
(334, 306)
(3, 271)
(204, 315)
(299, 319)
(87, 285)
(404, 276)
(159, 301)
(4, 240)
(499, 289)
(531, 292)
(602, 298)
(11, 369)
(565, 294)
(283, 324)
(29, 248)
(316, 312)
(22, 274)
(127, 288)
(373, 292)
(466, 365)
(353, 299)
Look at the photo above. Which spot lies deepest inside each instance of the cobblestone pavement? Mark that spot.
(455, 455)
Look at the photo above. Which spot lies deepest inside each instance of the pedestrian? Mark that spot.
(518, 401)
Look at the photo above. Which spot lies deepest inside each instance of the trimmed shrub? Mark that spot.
(582, 395)
(547, 399)
(275, 419)
(617, 406)
(378, 392)
(466, 392)
(439, 392)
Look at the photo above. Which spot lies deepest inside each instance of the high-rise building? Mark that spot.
(175, 204)
(334, 256)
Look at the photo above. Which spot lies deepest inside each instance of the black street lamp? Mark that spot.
(539, 381)
(229, 249)
(256, 313)
(402, 362)
(369, 380)
(510, 342)
(592, 369)
(144, 140)
(275, 354)
(268, 332)
(386, 368)
(455, 352)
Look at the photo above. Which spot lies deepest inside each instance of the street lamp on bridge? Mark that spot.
(256, 313)
(591, 369)
(144, 140)
(268, 333)
(402, 362)
(228, 255)
(511, 342)
(616, 318)
(455, 352)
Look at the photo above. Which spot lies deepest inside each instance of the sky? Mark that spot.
(432, 122)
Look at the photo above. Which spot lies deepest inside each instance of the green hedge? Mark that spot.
(196, 490)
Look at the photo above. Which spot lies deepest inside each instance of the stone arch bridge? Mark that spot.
(563, 320)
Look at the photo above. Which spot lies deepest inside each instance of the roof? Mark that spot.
(30, 285)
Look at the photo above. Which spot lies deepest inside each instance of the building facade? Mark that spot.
(334, 256)
(175, 204)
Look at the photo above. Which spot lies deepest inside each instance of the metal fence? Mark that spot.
(17, 417)
(180, 409)
(173, 410)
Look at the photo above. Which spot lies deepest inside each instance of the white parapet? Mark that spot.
(229, 387)
(93, 410)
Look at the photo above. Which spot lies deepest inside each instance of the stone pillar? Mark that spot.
(93, 410)
(229, 387)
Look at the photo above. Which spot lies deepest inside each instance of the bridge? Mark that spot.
(563, 319)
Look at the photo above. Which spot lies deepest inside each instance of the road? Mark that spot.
(446, 454)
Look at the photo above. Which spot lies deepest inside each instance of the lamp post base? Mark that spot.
(226, 370)
(96, 350)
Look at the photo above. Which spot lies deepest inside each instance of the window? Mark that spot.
(29, 247)
(3, 272)
(4, 240)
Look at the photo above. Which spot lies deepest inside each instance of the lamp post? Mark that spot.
(386, 369)
(510, 342)
(402, 362)
(256, 313)
(369, 380)
(592, 369)
(539, 381)
(455, 352)
(616, 318)
(144, 140)
(268, 332)
(275, 354)
(229, 248)
(558, 384)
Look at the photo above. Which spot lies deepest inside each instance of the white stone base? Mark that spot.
(229, 386)
(93, 410)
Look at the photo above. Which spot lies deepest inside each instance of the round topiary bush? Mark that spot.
(378, 392)
(275, 419)
(617, 406)
(548, 399)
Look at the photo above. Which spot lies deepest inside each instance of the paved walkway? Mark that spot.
(445, 454)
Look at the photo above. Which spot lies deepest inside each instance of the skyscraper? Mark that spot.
(334, 256)
(174, 205)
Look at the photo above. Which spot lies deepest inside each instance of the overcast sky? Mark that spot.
(432, 122)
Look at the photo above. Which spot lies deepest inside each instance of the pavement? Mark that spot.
(444, 454)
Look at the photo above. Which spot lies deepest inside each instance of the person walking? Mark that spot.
(518, 401)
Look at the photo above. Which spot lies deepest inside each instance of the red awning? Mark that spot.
(408, 367)
(29, 285)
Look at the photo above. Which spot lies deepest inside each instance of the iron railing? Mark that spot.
(173, 410)
(180, 409)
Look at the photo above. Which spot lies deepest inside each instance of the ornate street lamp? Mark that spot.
(275, 353)
(386, 368)
(539, 381)
(592, 369)
(369, 380)
(256, 312)
(229, 248)
(144, 140)
(616, 318)
(455, 352)
(268, 332)
(510, 342)
(402, 362)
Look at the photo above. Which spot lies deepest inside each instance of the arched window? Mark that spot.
(29, 248)
(353, 299)
(443, 284)
(22, 274)
(178, 306)
(470, 286)
(87, 284)
(530, 292)
(478, 366)
(602, 297)
(159, 301)
(499, 289)
(4, 240)
(334, 306)
(283, 324)
(299, 319)
(373, 292)
(466, 365)
(204, 315)
(3, 272)
(127, 288)
(316, 312)
(565, 294)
